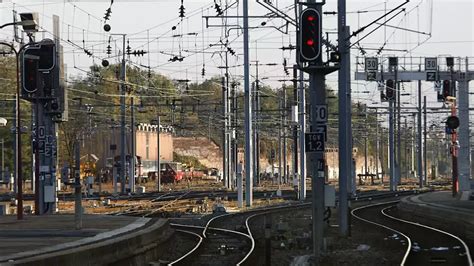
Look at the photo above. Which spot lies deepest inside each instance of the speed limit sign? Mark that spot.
(371, 64)
(431, 64)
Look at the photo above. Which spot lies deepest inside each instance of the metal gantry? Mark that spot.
(433, 70)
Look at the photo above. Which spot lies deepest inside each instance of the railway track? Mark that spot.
(421, 244)
(218, 247)
(162, 201)
(171, 198)
(224, 239)
(65, 196)
(228, 239)
(234, 233)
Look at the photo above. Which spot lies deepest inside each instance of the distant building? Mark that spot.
(146, 145)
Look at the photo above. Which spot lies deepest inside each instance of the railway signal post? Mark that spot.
(309, 59)
(41, 85)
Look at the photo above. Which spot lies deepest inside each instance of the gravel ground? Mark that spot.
(367, 245)
(291, 242)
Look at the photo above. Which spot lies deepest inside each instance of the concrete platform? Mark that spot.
(441, 210)
(52, 239)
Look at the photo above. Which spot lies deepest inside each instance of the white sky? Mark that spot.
(451, 23)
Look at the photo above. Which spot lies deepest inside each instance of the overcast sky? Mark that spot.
(447, 24)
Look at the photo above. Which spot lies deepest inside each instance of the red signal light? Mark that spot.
(309, 35)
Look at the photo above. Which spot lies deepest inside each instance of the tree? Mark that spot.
(7, 107)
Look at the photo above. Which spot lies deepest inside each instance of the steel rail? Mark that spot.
(168, 204)
(212, 228)
(201, 238)
(251, 237)
(407, 252)
(258, 213)
(192, 250)
(468, 254)
(209, 222)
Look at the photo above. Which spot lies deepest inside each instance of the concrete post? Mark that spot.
(464, 159)
(248, 110)
(295, 129)
(122, 119)
(302, 129)
(158, 155)
(425, 135)
(225, 159)
(419, 154)
(285, 157)
(316, 164)
(133, 147)
(391, 146)
(77, 186)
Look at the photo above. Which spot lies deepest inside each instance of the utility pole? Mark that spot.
(382, 157)
(405, 147)
(454, 156)
(280, 155)
(425, 134)
(302, 123)
(317, 164)
(377, 144)
(2, 174)
(122, 119)
(255, 97)
(248, 110)
(391, 152)
(254, 133)
(393, 68)
(228, 122)
(413, 146)
(133, 147)
(225, 159)
(240, 188)
(345, 118)
(89, 136)
(419, 155)
(285, 157)
(77, 185)
(38, 203)
(114, 164)
(365, 149)
(158, 154)
(256, 129)
(464, 177)
(295, 127)
(15, 151)
(399, 139)
(235, 157)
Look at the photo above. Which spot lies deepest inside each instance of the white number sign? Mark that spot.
(321, 113)
(371, 64)
(431, 63)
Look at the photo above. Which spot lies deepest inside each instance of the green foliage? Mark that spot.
(8, 88)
